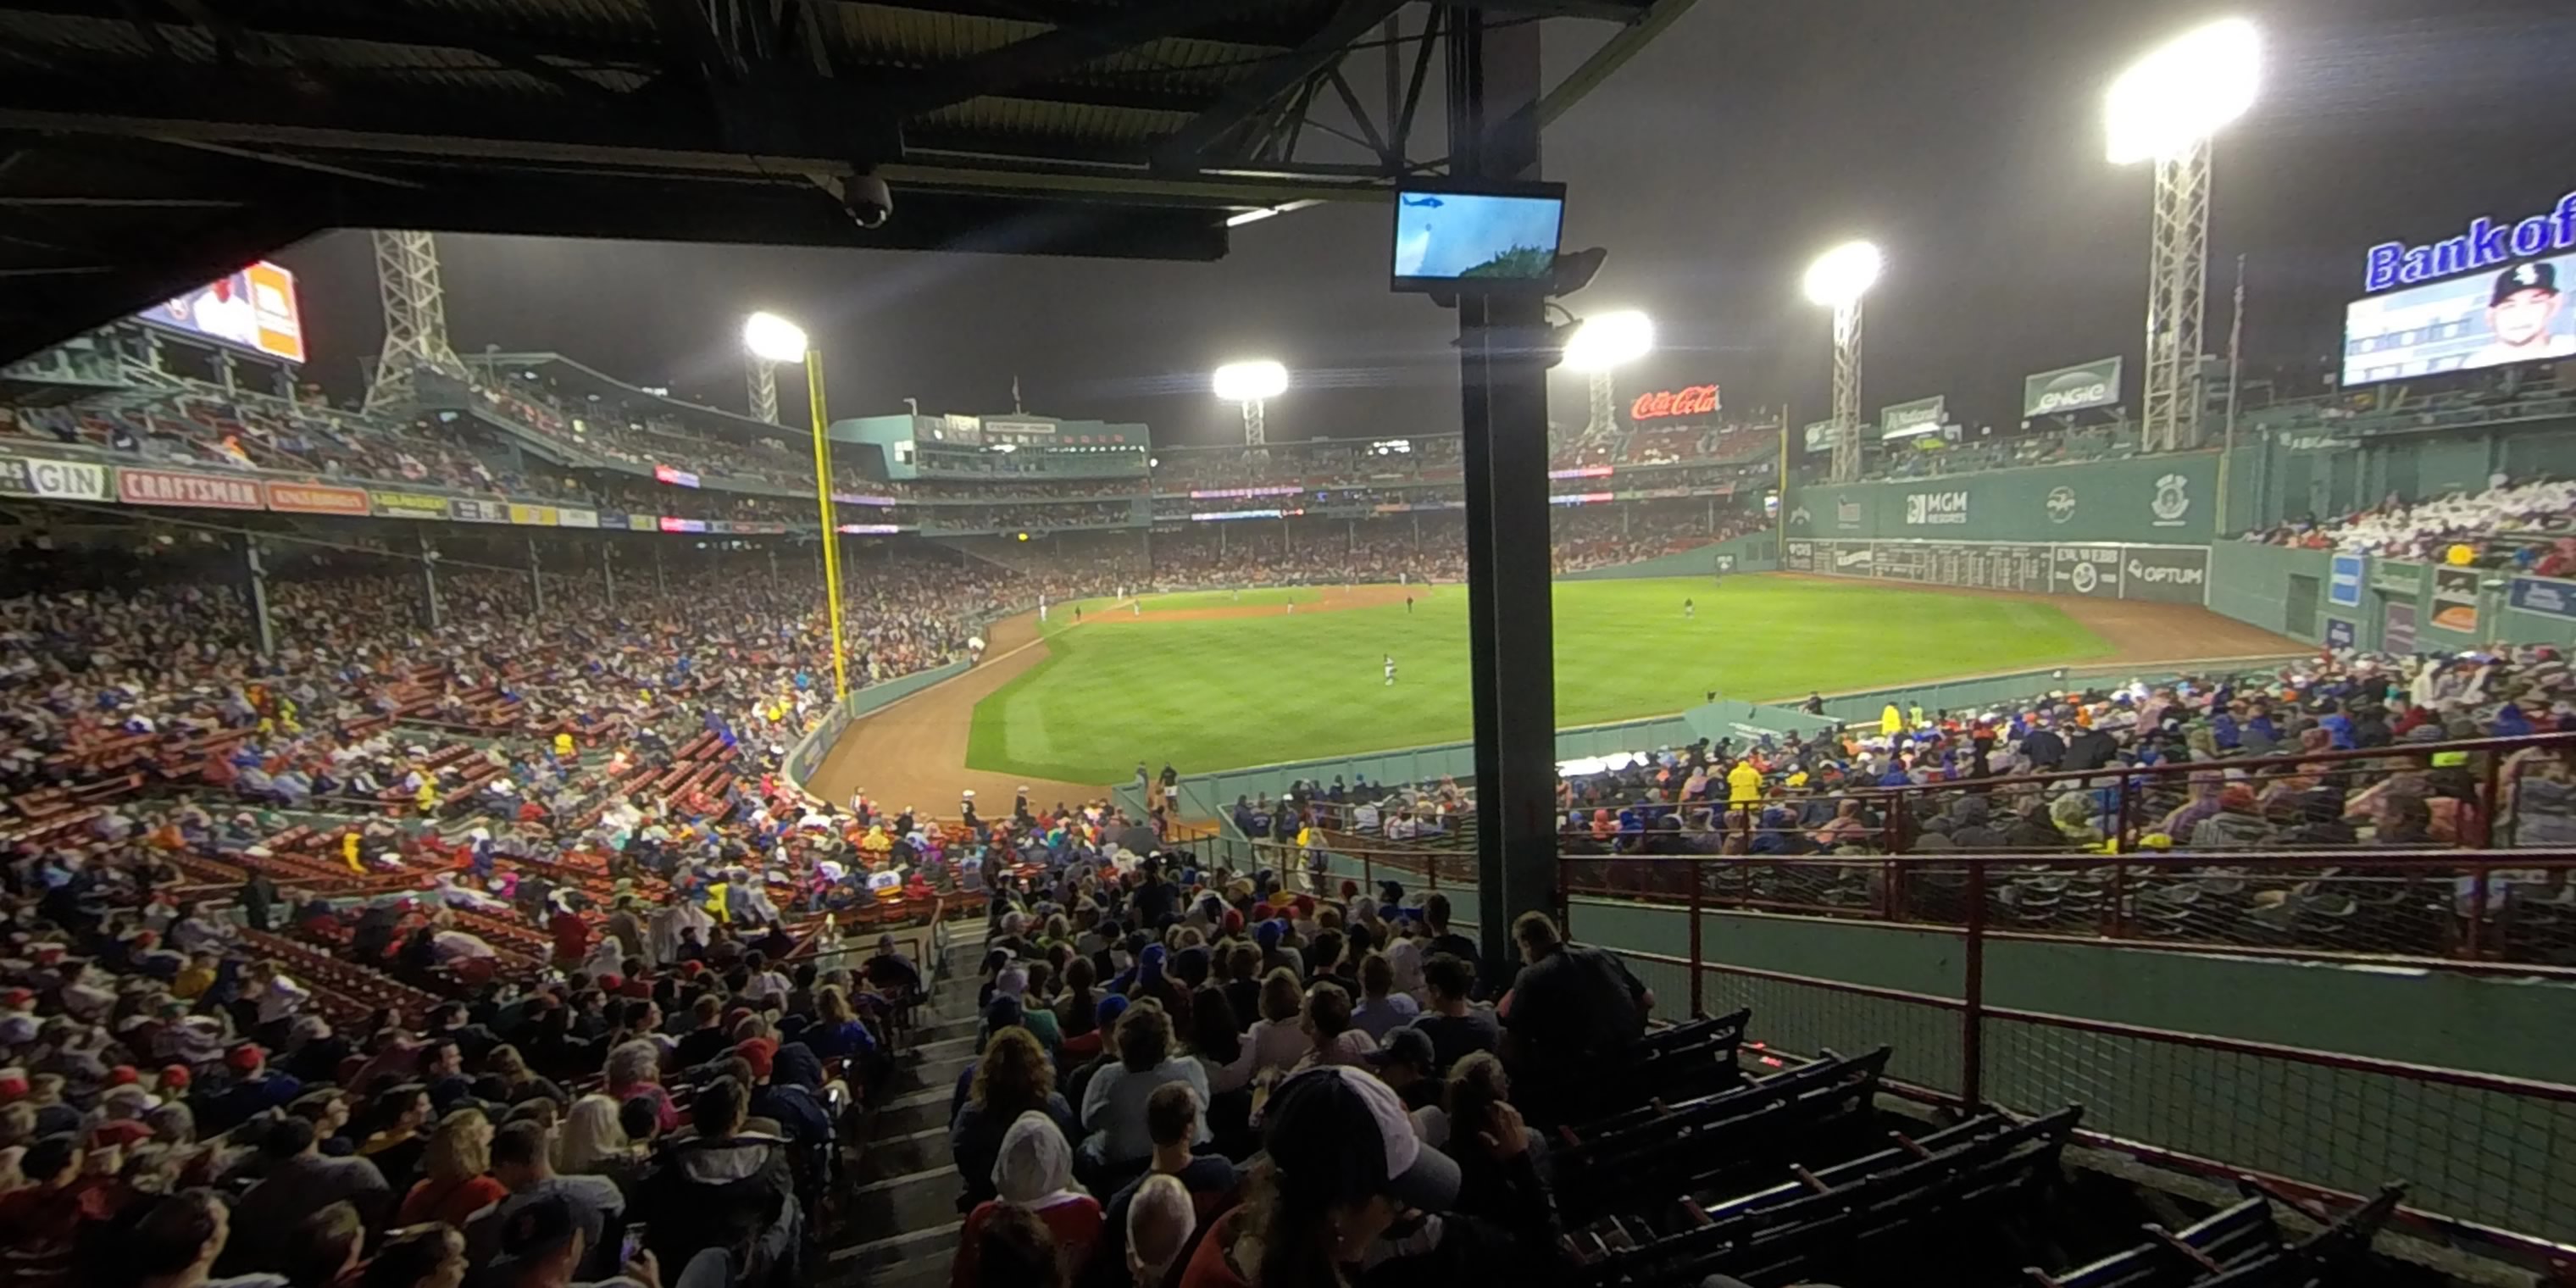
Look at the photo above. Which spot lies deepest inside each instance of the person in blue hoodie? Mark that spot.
(2337, 723)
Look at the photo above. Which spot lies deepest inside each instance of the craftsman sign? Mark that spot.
(1697, 400)
(200, 491)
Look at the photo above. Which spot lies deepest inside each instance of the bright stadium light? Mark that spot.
(772, 338)
(1610, 340)
(1251, 381)
(1842, 275)
(2166, 109)
(2183, 92)
(1838, 279)
(1251, 384)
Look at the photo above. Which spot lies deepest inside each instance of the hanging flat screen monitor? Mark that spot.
(1500, 239)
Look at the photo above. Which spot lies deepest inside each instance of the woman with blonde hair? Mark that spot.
(592, 1142)
(455, 1178)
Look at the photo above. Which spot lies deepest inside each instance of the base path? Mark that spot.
(913, 753)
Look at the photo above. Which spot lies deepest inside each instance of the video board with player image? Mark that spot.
(2490, 318)
(254, 308)
(1449, 239)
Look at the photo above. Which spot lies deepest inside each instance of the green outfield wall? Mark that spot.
(2155, 500)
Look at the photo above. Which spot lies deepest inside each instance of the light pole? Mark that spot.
(1251, 384)
(1838, 279)
(2166, 108)
(760, 387)
(1600, 346)
(772, 338)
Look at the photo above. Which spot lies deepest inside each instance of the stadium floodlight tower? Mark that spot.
(1600, 346)
(1251, 384)
(1838, 279)
(2166, 108)
(771, 338)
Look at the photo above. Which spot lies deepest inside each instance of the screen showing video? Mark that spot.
(1462, 237)
(2486, 319)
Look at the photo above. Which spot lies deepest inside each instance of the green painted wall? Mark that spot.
(2171, 499)
(2259, 584)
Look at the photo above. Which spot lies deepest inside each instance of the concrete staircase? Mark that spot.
(901, 1195)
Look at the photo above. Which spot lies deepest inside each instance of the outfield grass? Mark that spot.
(1221, 693)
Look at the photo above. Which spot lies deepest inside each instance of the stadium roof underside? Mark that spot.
(147, 146)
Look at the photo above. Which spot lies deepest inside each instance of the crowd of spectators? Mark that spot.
(2528, 526)
(1198, 1072)
(2010, 778)
(1585, 537)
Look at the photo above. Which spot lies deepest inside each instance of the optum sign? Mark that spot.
(2071, 389)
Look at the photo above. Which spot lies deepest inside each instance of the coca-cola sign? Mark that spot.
(1698, 400)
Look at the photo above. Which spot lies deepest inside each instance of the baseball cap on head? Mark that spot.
(534, 1231)
(1407, 1046)
(1344, 1133)
(2539, 275)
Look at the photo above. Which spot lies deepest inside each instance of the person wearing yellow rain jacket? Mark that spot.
(1891, 721)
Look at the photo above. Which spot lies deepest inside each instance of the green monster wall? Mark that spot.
(2161, 500)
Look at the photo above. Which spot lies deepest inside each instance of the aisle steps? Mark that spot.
(902, 1193)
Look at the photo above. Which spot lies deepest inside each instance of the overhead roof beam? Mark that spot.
(1065, 49)
(1602, 10)
(1254, 94)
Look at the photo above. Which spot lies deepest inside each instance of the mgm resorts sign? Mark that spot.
(1928, 508)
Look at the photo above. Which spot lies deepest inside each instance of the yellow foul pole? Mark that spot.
(831, 524)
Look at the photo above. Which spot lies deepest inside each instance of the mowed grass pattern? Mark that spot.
(1228, 692)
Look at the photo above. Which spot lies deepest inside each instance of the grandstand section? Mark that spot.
(524, 829)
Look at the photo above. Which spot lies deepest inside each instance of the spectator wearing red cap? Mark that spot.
(253, 1090)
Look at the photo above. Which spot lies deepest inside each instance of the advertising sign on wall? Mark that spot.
(2343, 582)
(576, 517)
(475, 510)
(2547, 596)
(2455, 599)
(1905, 419)
(2071, 389)
(408, 505)
(1935, 508)
(2342, 634)
(200, 491)
(1818, 435)
(64, 480)
(674, 477)
(1696, 400)
(534, 516)
(2397, 628)
(254, 308)
(314, 498)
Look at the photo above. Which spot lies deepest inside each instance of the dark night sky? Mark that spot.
(1962, 135)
